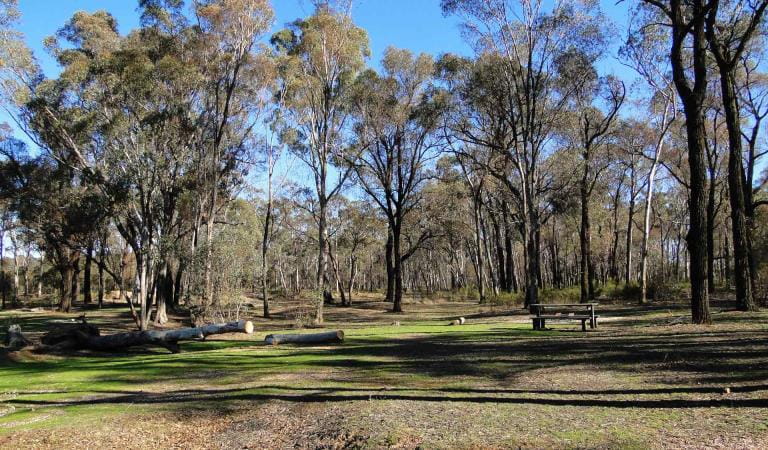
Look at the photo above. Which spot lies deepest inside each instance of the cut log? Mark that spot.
(15, 339)
(84, 338)
(313, 338)
(459, 321)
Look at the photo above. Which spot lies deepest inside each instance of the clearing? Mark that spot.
(644, 379)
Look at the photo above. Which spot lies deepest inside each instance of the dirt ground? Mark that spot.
(644, 379)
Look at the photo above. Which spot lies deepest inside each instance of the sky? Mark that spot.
(418, 25)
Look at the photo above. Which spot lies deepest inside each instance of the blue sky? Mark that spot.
(418, 25)
(415, 24)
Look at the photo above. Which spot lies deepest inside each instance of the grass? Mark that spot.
(641, 380)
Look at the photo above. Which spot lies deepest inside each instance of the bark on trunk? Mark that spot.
(102, 255)
(397, 304)
(587, 282)
(742, 245)
(321, 279)
(87, 298)
(390, 294)
(630, 227)
(649, 205)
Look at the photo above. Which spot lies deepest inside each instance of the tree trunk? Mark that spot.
(177, 287)
(40, 275)
(630, 227)
(711, 216)
(164, 288)
(65, 289)
(742, 244)
(352, 276)
(615, 242)
(557, 276)
(685, 25)
(265, 246)
(509, 252)
(141, 290)
(389, 261)
(500, 262)
(87, 298)
(479, 262)
(321, 279)
(486, 249)
(102, 255)
(397, 304)
(532, 256)
(337, 275)
(696, 238)
(649, 206)
(587, 284)
(76, 280)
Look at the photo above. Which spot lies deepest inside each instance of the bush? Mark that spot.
(668, 290)
(570, 294)
(621, 291)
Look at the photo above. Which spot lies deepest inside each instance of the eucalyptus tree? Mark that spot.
(132, 96)
(320, 58)
(528, 40)
(596, 103)
(730, 28)
(54, 206)
(686, 22)
(753, 98)
(236, 72)
(397, 118)
(19, 71)
(272, 154)
(631, 140)
(157, 113)
(643, 51)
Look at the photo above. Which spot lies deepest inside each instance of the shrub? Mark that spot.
(668, 290)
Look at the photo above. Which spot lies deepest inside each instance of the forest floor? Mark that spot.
(644, 379)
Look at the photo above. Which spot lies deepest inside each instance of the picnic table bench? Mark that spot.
(573, 311)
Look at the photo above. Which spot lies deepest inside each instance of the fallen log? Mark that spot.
(86, 336)
(15, 339)
(313, 338)
(68, 331)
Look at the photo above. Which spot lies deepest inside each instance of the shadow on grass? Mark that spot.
(216, 397)
(729, 358)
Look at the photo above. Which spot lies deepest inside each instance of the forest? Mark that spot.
(213, 165)
(190, 163)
